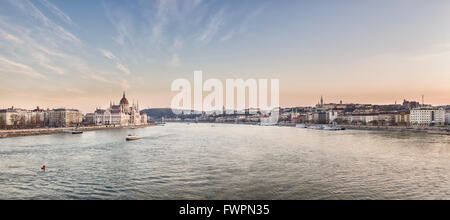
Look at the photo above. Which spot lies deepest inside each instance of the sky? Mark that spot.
(83, 54)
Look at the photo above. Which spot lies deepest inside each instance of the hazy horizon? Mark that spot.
(84, 54)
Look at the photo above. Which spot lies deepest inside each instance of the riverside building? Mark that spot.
(63, 117)
(427, 116)
(21, 118)
(447, 117)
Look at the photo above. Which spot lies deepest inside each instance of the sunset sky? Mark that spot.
(85, 53)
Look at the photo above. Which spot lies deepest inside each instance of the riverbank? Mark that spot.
(419, 129)
(48, 131)
(432, 130)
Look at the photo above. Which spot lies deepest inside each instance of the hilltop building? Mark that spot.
(410, 104)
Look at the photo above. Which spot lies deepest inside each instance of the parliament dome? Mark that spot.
(124, 101)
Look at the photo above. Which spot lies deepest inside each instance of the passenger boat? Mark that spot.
(132, 138)
(327, 128)
(333, 128)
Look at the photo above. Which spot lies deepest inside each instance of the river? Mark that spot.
(222, 161)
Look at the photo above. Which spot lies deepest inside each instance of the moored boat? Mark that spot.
(301, 126)
(333, 128)
(317, 127)
(327, 128)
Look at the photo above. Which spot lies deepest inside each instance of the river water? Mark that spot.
(220, 161)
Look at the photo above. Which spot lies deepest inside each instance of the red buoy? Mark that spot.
(43, 168)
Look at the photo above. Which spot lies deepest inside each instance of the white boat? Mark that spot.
(317, 127)
(333, 128)
(132, 137)
(301, 126)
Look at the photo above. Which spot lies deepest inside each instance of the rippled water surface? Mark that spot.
(204, 161)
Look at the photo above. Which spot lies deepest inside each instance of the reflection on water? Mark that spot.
(198, 161)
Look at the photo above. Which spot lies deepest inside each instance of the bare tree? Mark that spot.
(22, 121)
(2, 122)
(15, 119)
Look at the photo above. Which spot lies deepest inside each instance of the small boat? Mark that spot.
(77, 132)
(333, 128)
(301, 126)
(132, 137)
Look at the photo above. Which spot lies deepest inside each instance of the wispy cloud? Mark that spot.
(30, 9)
(122, 22)
(123, 68)
(103, 77)
(216, 22)
(8, 66)
(11, 38)
(44, 62)
(119, 65)
(228, 36)
(35, 45)
(63, 16)
(240, 29)
(36, 38)
(108, 54)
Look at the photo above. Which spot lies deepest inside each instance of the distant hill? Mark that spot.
(158, 113)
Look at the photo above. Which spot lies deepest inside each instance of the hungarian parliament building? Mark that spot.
(120, 115)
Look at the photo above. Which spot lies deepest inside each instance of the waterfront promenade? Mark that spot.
(45, 131)
(432, 130)
(418, 129)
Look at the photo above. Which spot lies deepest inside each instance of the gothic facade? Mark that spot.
(120, 115)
